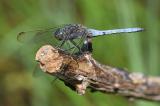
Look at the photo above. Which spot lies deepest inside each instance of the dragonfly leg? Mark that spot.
(68, 44)
(59, 45)
(62, 43)
(74, 43)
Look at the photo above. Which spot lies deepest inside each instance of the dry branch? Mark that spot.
(81, 72)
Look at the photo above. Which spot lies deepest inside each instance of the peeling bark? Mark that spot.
(83, 71)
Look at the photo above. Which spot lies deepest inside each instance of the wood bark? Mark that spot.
(83, 71)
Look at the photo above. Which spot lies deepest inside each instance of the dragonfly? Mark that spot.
(76, 38)
(68, 33)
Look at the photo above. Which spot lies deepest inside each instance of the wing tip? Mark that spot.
(19, 36)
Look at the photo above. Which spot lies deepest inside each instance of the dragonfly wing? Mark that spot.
(37, 36)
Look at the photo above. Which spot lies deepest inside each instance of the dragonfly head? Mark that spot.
(59, 33)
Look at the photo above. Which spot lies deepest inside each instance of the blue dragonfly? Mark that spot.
(69, 33)
(75, 38)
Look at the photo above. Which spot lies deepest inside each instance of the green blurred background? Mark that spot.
(138, 52)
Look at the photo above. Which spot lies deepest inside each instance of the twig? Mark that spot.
(81, 72)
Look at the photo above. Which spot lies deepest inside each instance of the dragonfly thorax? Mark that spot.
(70, 31)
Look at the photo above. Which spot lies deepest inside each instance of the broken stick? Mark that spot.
(83, 71)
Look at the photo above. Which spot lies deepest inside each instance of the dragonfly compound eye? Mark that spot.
(58, 34)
